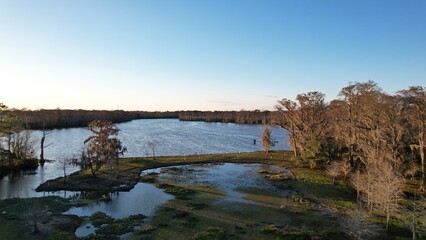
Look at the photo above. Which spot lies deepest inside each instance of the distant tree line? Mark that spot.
(57, 118)
(240, 117)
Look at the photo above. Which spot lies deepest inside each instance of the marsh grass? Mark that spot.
(311, 212)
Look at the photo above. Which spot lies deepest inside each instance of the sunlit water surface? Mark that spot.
(171, 137)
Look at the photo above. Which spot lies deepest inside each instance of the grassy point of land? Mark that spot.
(130, 169)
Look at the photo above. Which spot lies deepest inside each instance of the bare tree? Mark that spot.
(152, 145)
(35, 215)
(266, 140)
(358, 181)
(22, 145)
(380, 188)
(64, 162)
(45, 133)
(346, 168)
(416, 211)
(9, 126)
(388, 189)
(357, 226)
(334, 170)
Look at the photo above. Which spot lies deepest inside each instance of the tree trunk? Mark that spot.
(35, 225)
(387, 218)
(65, 173)
(413, 228)
(9, 146)
(92, 170)
(294, 141)
(422, 158)
(42, 148)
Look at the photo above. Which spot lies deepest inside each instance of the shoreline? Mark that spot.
(131, 168)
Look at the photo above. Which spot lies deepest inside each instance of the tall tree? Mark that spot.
(304, 119)
(45, 133)
(334, 170)
(291, 117)
(9, 125)
(266, 140)
(356, 118)
(415, 112)
(152, 145)
(103, 146)
(387, 189)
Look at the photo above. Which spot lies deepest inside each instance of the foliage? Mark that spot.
(17, 207)
(179, 192)
(100, 218)
(286, 232)
(17, 144)
(60, 118)
(211, 233)
(380, 188)
(102, 147)
(358, 227)
(304, 119)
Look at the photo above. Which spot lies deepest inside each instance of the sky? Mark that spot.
(158, 55)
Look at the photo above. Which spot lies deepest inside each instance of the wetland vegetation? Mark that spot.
(356, 170)
(313, 207)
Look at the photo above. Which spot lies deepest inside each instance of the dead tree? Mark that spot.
(152, 145)
(266, 140)
(42, 146)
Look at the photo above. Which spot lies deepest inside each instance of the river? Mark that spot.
(171, 137)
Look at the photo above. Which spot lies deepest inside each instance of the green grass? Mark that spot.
(205, 218)
(195, 212)
(317, 186)
(12, 230)
(15, 208)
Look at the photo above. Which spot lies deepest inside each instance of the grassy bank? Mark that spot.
(200, 212)
(18, 216)
(130, 168)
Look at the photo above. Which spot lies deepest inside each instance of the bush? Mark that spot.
(100, 218)
(211, 233)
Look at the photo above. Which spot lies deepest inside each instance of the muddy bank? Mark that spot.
(82, 182)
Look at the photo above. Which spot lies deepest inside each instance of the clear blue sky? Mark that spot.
(201, 54)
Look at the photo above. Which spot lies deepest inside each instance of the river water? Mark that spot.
(171, 137)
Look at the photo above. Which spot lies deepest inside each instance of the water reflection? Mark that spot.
(146, 198)
(230, 177)
(22, 184)
(85, 230)
(142, 199)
